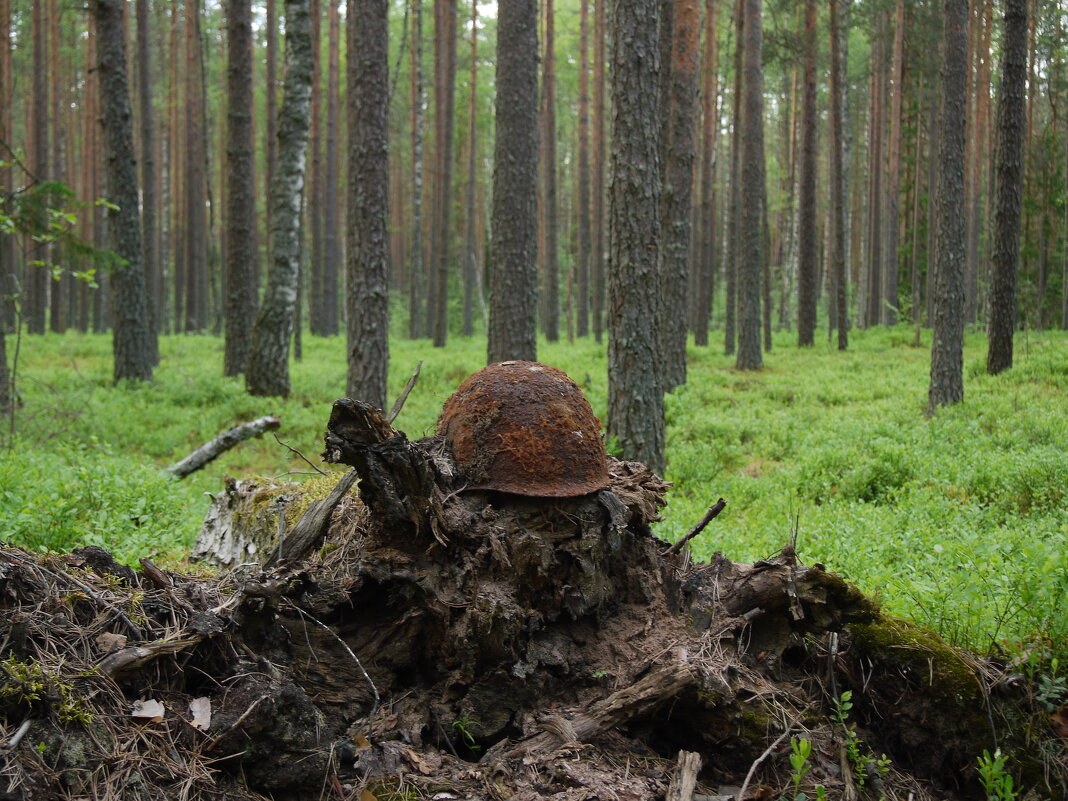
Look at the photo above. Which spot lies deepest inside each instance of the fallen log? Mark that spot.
(222, 443)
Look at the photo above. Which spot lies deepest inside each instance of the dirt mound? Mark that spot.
(427, 642)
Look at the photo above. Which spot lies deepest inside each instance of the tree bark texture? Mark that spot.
(312, 214)
(513, 271)
(635, 395)
(1008, 166)
(751, 233)
(444, 116)
(367, 297)
(551, 285)
(680, 77)
(267, 372)
(331, 249)
(706, 263)
(470, 241)
(807, 244)
(730, 317)
(195, 179)
(837, 204)
(893, 171)
(149, 202)
(416, 269)
(240, 190)
(597, 177)
(582, 266)
(130, 337)
(270, 143)
(36, 278)
(947, 349)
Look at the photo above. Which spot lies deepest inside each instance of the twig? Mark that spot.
(759, 759)
(398, 404)
(16, 738)
(291, 449)
(356, 659)
(693, 532)
(236, 723)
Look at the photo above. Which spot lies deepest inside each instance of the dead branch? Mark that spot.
(222, 443)
(684, 781)
(641, 697)
(311, 528)
(399, 403)
(693, 532)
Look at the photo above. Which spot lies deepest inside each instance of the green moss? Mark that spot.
(892, 641)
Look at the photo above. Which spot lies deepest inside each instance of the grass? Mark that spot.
(958, 522)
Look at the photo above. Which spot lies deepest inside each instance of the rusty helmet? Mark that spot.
(525, 428)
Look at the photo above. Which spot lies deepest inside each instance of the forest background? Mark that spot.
(961, 517)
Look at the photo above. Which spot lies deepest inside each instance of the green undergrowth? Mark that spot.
(959, 522)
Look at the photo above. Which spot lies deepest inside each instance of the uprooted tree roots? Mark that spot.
(428, 641)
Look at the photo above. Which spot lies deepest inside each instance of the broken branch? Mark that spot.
(222, 443)
(717, 507)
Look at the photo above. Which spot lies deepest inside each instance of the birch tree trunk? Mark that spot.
(268, 365)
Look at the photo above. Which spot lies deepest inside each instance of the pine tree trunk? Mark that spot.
(470, 245)
(513, 272)
(7, 243)
(837, 203)
(635, 396)
(313, 208)
(873, 285)
(893, 174)
(679, 75)
(35, 284)
(331, 250)
(367, 297)
(57, 81)
(582, 268)
(240, 190)
(751, 233)
(267, 372)
(597, 238)
(196, 233)
(806, 303)
(149, 201)
(734, 211)
(947, 384)
(444, 116)
(706, 236)
(551, 284)
(130, 339)
(416, 289)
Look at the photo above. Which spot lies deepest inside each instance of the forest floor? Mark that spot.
(959, 522)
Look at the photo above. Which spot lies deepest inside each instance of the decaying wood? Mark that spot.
(684, 781)
(311, 528)
(640, 698)
(396, 479)
(222, 443)
(241, 525)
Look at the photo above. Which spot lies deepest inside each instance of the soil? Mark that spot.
(437, 643)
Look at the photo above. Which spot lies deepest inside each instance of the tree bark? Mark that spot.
(444, 116)
(551, 284)
(679, 75)
(598, 239)
(837, 204)
(331, 242)
(635, 395)
(36, 278)
(313, 208)
(196, 226)
(582, 268)
(130, 337)
(210, 451)
(893, 172)
(416, 270)
(751, 233)
(708, 242)
(270, 129)
(367, 298)
(513, 272)
(808, 247)
(268, 365)
(947, 382)
(149, 196)
(730, 319)
(1008, 164)
(470, 244)
(240, 190)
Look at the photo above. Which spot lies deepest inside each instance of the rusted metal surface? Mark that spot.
(525, 428)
